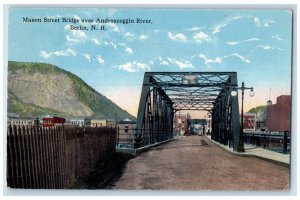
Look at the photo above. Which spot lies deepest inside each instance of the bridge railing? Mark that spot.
(136, 138)
(275, 141)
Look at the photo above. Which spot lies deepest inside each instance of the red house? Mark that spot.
(249, 121)
(53, 121)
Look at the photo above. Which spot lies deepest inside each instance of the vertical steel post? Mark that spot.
(235, 116)
(241, 142)
(285, 142)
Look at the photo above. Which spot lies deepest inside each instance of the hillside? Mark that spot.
(38, 89)
(260, 112)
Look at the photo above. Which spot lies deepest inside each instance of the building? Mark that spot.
(260, 125)
(126, 131)
(22, 121)
(209, 124)
(198, 126)
(249, 121)
(53, 121)
(279, 115)
(182, 124)
(81, 122)
(103, 123)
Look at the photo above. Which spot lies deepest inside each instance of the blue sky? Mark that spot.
(254, 43)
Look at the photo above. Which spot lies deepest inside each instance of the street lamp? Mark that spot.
(251, 94)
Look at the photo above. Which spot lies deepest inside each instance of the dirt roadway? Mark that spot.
(195, 163)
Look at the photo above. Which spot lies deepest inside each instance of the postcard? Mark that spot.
(160, 99)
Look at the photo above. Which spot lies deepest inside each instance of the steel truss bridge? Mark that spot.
(165, 93)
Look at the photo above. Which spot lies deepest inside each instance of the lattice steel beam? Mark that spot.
(164, 93)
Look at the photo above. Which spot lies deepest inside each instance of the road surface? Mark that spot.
(195, 163)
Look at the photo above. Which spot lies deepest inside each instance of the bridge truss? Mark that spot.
(164, 93)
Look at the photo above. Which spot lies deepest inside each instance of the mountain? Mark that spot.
(38, 89)
(260, 112)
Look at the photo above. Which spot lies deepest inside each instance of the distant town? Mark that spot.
(278, 118)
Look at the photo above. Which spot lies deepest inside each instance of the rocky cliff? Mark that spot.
(37, 89)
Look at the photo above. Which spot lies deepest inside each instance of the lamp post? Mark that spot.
(251, 94)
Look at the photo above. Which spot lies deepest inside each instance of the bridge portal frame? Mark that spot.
(158, 105)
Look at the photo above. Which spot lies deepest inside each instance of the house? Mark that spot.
(103, 123)
(249, 121)
(126, 131)
(22, 121)
(53, 121)
(80, 122)
(182, 123)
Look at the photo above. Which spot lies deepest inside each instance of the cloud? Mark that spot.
(268, 22)
(181, 64)
(201, 36)
(143, 37)
(151, 62)
(74, 40)
(110, 43)
(252, 39)
(265, 47)
(128, 34)
(87, 56)
(45, 55)
(233, 43)
(76, 33)
(96, 41)
(195, 28)
(177, 37)
(100, 59)
(77, 17)
(133, 66)
(164, 62)
(114, 27)
(277, 37)
(218, 28)
(127, 49)
(156, 31)
(242, 58)
(259, 23)
(208, 61)
(68, 52)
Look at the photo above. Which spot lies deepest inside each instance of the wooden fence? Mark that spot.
(53, 158)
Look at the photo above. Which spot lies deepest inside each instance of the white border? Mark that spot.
(158, 4)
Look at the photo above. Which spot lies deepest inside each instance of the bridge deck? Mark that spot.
(195, 163)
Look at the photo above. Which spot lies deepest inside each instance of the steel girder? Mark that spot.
(164, 93)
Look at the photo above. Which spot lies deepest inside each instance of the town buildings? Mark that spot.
(182, 124)
(249, 121)
(198, 126)
(278, 116)
(103, 123)
(51, 121)
(22, 121)
(81, 122)
(126, 131)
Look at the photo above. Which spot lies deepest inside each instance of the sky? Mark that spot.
(254, 43)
